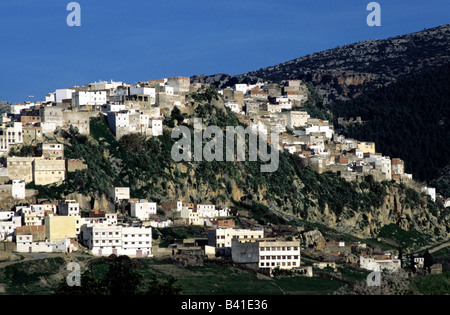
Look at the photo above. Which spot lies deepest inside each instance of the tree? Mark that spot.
(392, 283)
(168, 288)
(120, 279)
(177, 115)
(427, 261)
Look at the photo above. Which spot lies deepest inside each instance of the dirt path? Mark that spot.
(37, 256)
(439, 247)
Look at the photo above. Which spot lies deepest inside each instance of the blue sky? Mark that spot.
(133, 40)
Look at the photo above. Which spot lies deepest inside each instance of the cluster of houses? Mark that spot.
(141, 108)
(61, 228)
(278, 108)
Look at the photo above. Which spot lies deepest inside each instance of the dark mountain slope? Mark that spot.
(407, 119)
(345, 72)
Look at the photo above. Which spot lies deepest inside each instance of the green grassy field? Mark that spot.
(216, 279)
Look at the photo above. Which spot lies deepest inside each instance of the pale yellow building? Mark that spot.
(20, 168)
(61, 227)
(190, 216)
(366, 147)
(49, 171)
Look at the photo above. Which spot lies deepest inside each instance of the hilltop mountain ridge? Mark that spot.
(346, 72)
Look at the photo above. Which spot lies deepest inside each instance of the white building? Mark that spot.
(244, 88)
(284, 102)
(44, 207)
(379, 262)
(382, 163)
(104, 240)
(143, 91)
(25, 244)
(296, 119)
(121, 193)
(18, 189)
(320, 128)
(8, 224)
(115, 107)
(96, 98)
(109, 86)
(117, 120)
(16, 108)
(266, 254)
(63, 94)
(124, 122)
(430, 191)
(69, 208)
(157, 127)
(142, 209)
(108, 219)
(283, 255)
(10, 134)
(210, 211)
(161, 224)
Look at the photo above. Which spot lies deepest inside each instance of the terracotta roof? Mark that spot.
(30, 228)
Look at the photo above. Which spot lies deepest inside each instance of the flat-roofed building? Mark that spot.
(104, 240)
(49, 171)
(20, 168)
(61, 227)
(221, 238)
(266, 254)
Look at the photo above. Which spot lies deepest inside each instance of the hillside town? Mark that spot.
(67, 226)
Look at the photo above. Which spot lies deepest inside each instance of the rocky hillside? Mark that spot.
(345, 72)
(293, 192)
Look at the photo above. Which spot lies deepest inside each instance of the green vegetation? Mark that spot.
(433, 284)
(26, 277)
(314, 105)
(405, 239)
(21, 150)
(120, 278)
(223, 279)
(208, 95)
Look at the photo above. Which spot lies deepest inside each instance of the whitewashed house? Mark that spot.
(142, 209)
(8, 224)
(69, 208)
(18, 189)
(379, 262)
(104, 240)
